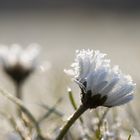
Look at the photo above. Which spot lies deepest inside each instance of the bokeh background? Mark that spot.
(61, 27)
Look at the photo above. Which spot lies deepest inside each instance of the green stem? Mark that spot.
(70, 122)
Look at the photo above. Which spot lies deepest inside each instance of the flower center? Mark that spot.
(93, 101)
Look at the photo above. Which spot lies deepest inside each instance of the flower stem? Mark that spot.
(19, 95)
(19, 90)
(70, 122)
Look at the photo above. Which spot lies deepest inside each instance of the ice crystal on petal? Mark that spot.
(100, 84)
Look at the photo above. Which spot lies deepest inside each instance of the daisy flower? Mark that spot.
(100, 84)
(19, 62)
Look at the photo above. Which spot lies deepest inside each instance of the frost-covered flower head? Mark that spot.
(100, 84)
(19, 62)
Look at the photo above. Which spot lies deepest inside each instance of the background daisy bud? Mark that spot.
(100, 84)
(19, 62)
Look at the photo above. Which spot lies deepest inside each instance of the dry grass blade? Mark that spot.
(13, 123)
(102, 118)
(51, 110)
(17, 129)
(134, 118)
(25, 110)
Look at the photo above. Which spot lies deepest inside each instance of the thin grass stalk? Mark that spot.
(25, 110)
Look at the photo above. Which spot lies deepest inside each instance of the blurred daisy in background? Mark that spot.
(19, 62)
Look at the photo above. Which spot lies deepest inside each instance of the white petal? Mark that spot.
(110, 86)
(85, 69)
(3, 53)
(120, 93)
(91, 80)
(121, 101)
(30, 53)
(102, 74)
(69, 72)
(99, 87)
(15, 50)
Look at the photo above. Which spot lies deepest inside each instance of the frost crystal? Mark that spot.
(100, 84)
